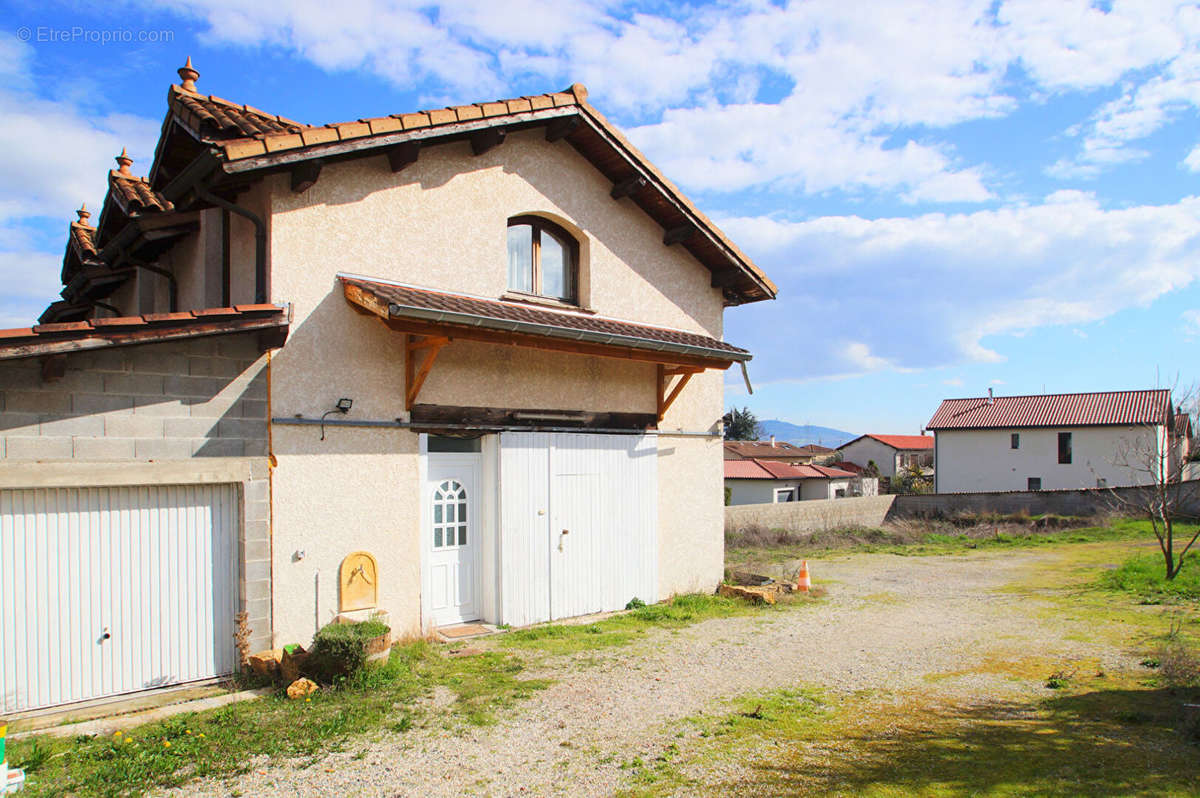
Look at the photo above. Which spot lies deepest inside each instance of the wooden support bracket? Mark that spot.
(677, 235)
(665, 373)
(305, 175)
(414, 375)
(485, 140)
(402, 155)
(562, 127)
(628, 187)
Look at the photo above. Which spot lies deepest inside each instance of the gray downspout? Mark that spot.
(172, 285)
(260, 240)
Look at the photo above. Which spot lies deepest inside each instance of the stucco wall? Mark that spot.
(354, 491)
(983, 460)
(442, 223)
(758, 491)
(864, 451)
(691, 546)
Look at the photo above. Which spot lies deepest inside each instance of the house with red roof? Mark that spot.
(1056, 441)
(778, 451)
(450, 365)
(758, 481)
(889, 453)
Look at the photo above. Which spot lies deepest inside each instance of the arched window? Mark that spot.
(543, 259)
(449, 515)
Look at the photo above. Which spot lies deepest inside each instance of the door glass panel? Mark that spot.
(449, 515)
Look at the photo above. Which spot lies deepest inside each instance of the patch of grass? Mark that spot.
(625, 628)
(1098, 739)
(224, 742)
(1144, 576)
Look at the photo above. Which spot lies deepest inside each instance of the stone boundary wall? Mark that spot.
(1094, 501)
(873, 511)
(811, 516)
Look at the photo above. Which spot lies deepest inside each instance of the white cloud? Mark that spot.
(56, 155)
(1191, 323)
(928, 291)
(1192, 161)
(953, 381)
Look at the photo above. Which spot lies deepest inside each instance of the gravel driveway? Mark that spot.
(888, 623)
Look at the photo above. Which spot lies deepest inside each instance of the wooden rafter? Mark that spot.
(667, 397)
(414, 375)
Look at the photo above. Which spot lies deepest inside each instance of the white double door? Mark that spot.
(578, 524)
(452, 530)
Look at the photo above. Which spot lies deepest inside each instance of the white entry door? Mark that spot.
(105, 591)
(452, 537)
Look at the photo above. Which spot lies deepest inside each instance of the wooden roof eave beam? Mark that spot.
(666, 397)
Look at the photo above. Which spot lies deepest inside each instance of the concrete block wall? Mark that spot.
(166, 401)
(255, 592)
(811, 516)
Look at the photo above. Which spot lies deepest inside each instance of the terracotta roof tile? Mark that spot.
(318, 135)
(384, 124)
(1055, 410)
(50, 338)
(411, 302)
(414, 120)
(767, 469)
(898, 441)
(134, 194)
(467, 112)
(288, 142)
(750, 449)
(214, 119)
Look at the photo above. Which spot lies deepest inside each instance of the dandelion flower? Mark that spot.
(166, 743)
(201, 734)
(116, 734)
(189, 731)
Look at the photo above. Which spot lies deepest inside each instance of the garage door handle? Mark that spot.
(106, 635)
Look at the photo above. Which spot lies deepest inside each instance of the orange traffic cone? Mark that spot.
(803, 580)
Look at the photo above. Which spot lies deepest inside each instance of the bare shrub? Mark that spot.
(1179, 665)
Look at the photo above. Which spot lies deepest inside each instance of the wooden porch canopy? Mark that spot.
(432, 319)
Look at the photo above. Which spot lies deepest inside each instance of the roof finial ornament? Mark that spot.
(188, 76)
(83, 213)
(124, 162)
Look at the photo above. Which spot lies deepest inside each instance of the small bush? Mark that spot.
(339, 650)
(1179, 665)
(635, 603)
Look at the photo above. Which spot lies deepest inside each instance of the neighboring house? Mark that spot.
(1052, 442)
(1181, 449)
(777, 451)
(890, 453)
(758, 481)
(462, 364)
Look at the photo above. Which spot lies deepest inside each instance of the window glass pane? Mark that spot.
(437, 538)
(437, 513)
(520, 258)
(439, 443)
(556, 267)
(462, 512)
(450, 513)
(462, 535)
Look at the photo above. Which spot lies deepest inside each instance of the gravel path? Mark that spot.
(887, 623)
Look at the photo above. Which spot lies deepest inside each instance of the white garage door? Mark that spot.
(106, 591)
(578, 524)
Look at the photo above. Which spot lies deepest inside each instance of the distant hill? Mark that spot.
(800, 435)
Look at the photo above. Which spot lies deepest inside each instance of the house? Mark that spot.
(454, 365)
(1052, 442)
(890, 453)
(756, 481)
(777, 451)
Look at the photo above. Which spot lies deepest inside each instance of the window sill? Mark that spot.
(543, 301)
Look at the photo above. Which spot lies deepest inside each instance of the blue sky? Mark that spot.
(951, 196)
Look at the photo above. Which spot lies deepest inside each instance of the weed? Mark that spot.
(1060, 680)
(34, 758)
